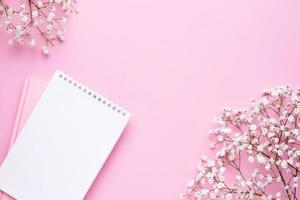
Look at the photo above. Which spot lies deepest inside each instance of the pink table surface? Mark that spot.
(173, 64)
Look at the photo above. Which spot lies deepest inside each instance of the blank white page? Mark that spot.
(64, 143)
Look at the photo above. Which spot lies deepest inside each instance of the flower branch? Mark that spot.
(263, 138)
(37, 21)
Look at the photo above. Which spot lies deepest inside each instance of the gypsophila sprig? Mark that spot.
(36, 21)
(259, 146)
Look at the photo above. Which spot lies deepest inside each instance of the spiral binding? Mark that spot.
(92, 93)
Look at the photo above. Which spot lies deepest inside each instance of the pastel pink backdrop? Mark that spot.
(173, 64)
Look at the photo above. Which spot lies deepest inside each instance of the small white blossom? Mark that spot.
(35, 14)
(228, 196)
(284, 164)
(220, 138)
(45, 50)
(251, 159)
(40, 4)
(261, 159)
(25, 18)
(260, 148)
(32, 42)
(252, 127)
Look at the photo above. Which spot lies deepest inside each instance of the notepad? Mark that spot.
(64, 143)
(31, 93)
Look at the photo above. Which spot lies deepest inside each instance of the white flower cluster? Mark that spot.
(258, 147)
(36, 20)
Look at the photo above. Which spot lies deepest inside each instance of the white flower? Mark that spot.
(9, 30)
(32, 42)
(265, 101)
(50, 16)
(267, 167)
(212, 195)
(45, 50)
(220, 185)
(220, 138)
(190, 183)
(260, 148)
(203, 158)
(295, 182)
(290, 161)
(284, 164)
(271, 134)
(231, 157)
(259, 184)
(264, 197)
(249, 183)
(269, 178)
(23, 6)
(197, 194)
(64, 20)
(228, 196)
(182, 196)
(251, 159)
(279, 152)
(278, 179)
(36, 23)
(49, 27)
(222, 170)
(296, 132)
(35, 13)
(226, 130)
(243, 183)
(19, 31)
(212, 146)
(211, 163)
(25, 18)
(40, 4)
(261, 159)
(291, 118)
(252, 127)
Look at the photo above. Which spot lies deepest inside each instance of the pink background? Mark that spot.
(173, 64)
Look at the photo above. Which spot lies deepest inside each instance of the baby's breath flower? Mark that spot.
(267, 135)
(47, 17)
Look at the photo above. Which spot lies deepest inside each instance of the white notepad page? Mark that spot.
(64, 143)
